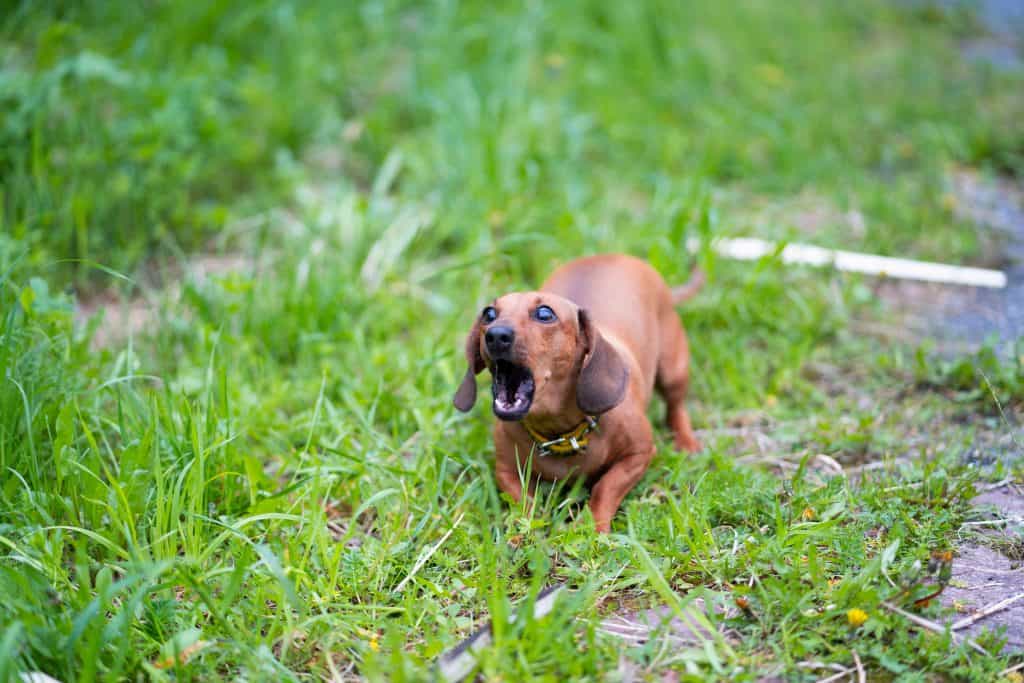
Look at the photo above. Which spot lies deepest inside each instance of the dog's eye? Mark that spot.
(489, 315)
(544, 314)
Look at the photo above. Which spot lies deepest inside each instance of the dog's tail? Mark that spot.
(686, 292)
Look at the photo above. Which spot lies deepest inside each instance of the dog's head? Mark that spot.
(542, 350)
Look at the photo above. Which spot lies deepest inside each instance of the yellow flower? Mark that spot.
(496, 218)
(374, 643)
(770, 73)
(807, 514)
(555, 60)
(856, 617)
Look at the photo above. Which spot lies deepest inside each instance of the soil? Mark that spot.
(983, 577)
(989, 567)
(123, 317)
(964, 318)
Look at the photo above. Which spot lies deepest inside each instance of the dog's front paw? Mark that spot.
(687, 442)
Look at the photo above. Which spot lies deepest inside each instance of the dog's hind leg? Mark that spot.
(673, 380)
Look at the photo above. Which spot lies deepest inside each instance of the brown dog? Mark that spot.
(573, 367)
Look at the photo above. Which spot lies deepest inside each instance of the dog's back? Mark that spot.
(627, 298)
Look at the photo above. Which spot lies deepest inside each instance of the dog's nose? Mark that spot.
(499, 339)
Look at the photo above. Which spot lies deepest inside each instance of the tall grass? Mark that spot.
(131, 130)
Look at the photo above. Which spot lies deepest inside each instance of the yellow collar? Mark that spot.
(570, 443)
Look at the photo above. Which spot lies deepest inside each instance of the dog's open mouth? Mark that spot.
(512, 386)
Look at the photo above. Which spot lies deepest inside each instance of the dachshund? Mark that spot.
(573, 366)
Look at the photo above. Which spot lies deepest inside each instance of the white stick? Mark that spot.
(991, 609)
(459, 662)
(835, 677)
(751, 249)
(861, 674)
(932, 626)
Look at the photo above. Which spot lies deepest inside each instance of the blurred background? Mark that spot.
(137, 131)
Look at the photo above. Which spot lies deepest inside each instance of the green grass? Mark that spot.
(259, 483)
(128, 131)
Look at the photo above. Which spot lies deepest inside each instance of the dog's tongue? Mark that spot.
(508, 398)
(511, 390)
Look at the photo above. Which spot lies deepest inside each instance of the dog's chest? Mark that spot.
(559, 466)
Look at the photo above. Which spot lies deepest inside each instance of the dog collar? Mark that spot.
(570, 443)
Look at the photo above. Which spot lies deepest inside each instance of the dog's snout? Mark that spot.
(499, 338)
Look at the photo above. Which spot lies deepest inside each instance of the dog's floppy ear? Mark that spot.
(604, 376)
(465, 396)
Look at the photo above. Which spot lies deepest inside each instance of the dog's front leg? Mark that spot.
(506, 469)
(508, 479)
(612, 487)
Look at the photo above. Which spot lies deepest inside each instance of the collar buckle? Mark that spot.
(571, 443)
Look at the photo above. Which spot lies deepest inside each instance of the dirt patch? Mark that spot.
(1007, 501)
(992, 203)
(123, 317)
(964, 318)
(120, 318)
(997, 52)
(958, 318)
(1000, 40)
(672, 633)
(987, 587)
(807, 213)
(663, 623)
(982, 578)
